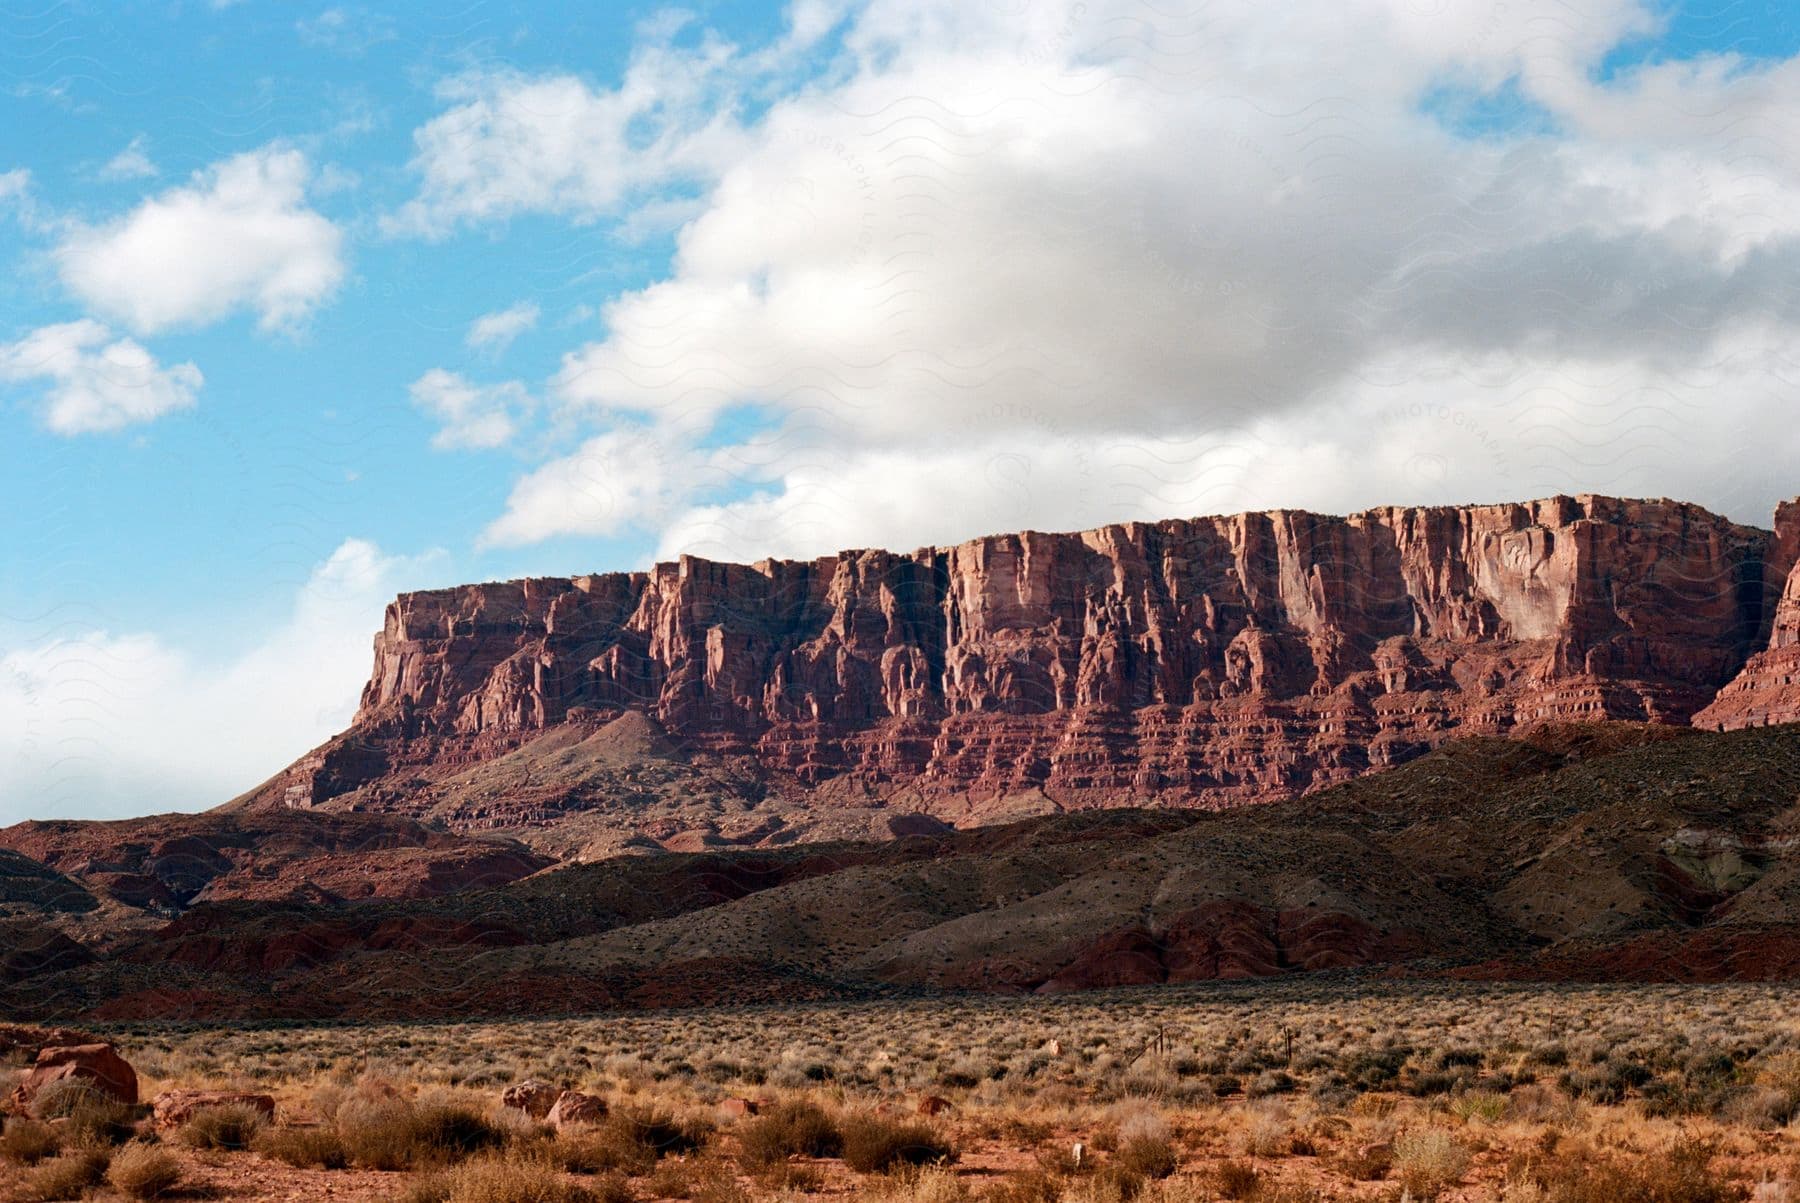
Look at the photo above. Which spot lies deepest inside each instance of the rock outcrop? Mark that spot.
(173, 1108)
(1204, 662)
(1767, 692)
(98, 1066)
(531, 1096)
(574, 1109)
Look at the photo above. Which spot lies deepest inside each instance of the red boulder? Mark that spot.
(173, 1108)
(575, 1109)
(99, 1065)
(531, 1096)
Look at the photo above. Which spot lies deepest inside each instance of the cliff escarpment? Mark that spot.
(1204, 662)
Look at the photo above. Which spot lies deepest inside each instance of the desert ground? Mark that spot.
(1347, 1089)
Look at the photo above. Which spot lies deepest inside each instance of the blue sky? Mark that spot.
(304, 436)
(306, 303)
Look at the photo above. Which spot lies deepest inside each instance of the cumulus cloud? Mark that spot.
(471, 416)
(513, 144)
(86, 724)
(239, 236)
(132, 163)
(97, 382)
(1069, 263)
(615, 481)
(494, 332)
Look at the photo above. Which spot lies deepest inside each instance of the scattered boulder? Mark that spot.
(574, 1109)
(737, 1108)
(173, 1108)
(97, 1064)
(531, 1096)
(933, 1104)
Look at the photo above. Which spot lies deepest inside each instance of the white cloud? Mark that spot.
(346, 31)
(494, 332)
(240, 236)
(17, 196)
(132, 163)
(472, 416)
(109, 724)
(613, 481)
(513, 144)
(1069, 263)
(97, 382)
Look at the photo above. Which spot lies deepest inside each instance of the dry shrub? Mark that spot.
(1480, 1106)
(930, 1185)
(232, 1128)
(608, 1148)
(495, 1181)
(874, 1144)
(1268, 1132)
(1025, 1186)
(1061, 1161)
(1110, 1182)
(1236, 1180)
(1683, 1174)
(658, 1130)
(1762, 1107)
(796, 1128)
(702, 1179)
(394, 1134)
(630, 1140)
(1150, 1156)
(141, 1171)
(612, 1188)
(304, 1148)
(95, 1117)
(790, 1177)
(1539, 1104)
(1426, 1160)
(69, 1176)
(1369, 1163)
(27, 1142)
(1018, 1130)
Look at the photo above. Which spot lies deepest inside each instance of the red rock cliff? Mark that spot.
(1204, 661)
(1768, 690)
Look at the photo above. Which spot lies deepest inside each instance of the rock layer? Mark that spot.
(1767, 692)
(1204, 662)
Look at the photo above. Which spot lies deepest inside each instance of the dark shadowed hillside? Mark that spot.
(1601, 850)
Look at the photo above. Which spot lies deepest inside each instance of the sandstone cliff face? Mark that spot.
(1200, 662)
(1768, 690)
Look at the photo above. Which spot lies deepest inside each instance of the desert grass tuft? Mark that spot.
(231, 1128)
(94, 1117)
(492, 1180)
(874, 1144)
(69, 1176)
(795, 1128)
(303, 1148)
(26, 1141)
(142, 1171)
